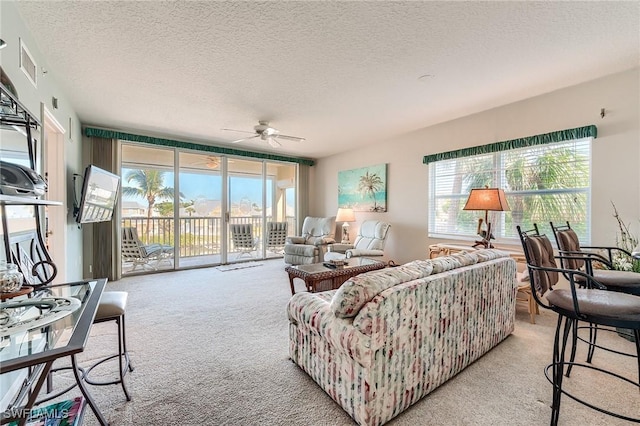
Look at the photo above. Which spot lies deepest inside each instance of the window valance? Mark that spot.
(558, 136)
(112, 134)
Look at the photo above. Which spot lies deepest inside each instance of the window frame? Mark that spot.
(577, 145)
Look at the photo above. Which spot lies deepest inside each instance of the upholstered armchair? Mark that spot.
(310, 247)
(369, 242)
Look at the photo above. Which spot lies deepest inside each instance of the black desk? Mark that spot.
(34, 347)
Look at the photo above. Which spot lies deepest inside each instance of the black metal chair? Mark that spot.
(581, 258)
(587, 300)
(599, 267)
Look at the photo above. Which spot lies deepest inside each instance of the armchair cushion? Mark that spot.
(306, 250)
(340, 247)
(295, 240)
(372, 235)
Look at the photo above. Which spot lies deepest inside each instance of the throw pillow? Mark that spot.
(359, 290)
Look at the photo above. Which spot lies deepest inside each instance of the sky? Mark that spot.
(205, 186)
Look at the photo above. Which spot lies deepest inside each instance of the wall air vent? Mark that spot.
(28, 65)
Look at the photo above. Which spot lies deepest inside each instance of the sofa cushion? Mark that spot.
(445, 263)
(490, 254)
(454, 261)
(357, 291)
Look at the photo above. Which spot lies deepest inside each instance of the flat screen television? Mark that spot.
(99, 195)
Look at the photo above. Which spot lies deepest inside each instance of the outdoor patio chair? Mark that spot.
(276, 236)
(147, 256)
(243, 240)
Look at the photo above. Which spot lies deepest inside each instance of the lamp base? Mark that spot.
(345, 233)
(484, 243)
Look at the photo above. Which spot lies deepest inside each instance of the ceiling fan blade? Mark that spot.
(273, 142)
(291, 138)
(245, 139)
(241, 131)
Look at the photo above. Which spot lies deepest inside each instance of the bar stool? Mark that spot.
(112, 307)
(585, 300)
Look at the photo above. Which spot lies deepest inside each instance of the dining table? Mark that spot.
(36, 331)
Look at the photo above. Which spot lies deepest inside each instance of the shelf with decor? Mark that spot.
(24, 247)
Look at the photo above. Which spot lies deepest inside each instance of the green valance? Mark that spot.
(559, 136)
(112, 134)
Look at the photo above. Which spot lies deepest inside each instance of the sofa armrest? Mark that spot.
(340, 248)
(363, 252)
(295, 240)
(312, 311)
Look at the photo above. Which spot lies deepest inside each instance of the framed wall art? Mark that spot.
(363, 189)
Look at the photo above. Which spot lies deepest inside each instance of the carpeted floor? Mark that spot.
(211, 347)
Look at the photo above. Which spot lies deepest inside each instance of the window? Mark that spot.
(543, 183)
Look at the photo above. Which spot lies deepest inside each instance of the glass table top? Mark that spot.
(53, 323)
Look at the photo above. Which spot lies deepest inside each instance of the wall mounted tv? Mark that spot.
(99, 195)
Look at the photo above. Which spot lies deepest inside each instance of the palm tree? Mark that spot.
(369, 184)
(525, 176)
(149, 185)
(548, 171)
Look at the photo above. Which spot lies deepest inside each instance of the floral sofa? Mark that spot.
(387, 338)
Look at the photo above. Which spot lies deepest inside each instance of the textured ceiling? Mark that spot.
(340, 74)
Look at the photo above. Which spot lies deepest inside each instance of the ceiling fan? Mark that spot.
(267, 133)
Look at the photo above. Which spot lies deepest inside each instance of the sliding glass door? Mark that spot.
(200, 230)
(147, 209)
(245, 207)
(186, 204)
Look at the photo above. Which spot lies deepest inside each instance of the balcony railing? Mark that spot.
(199, 235)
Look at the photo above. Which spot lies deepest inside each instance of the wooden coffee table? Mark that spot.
(318, 277)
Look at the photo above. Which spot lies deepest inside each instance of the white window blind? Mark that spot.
(542, 183)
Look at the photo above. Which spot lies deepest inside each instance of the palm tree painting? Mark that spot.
(363, 189)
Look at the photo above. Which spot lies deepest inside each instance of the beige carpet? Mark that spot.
(211, 348)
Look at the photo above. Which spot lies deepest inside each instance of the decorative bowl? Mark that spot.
(10, 278)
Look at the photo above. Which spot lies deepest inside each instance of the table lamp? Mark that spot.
(486, 199)
(345, 216)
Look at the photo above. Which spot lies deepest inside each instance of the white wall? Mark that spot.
(12, 29)
(615, 165)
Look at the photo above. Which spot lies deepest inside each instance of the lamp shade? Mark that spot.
(487, 199)
(345, 215)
